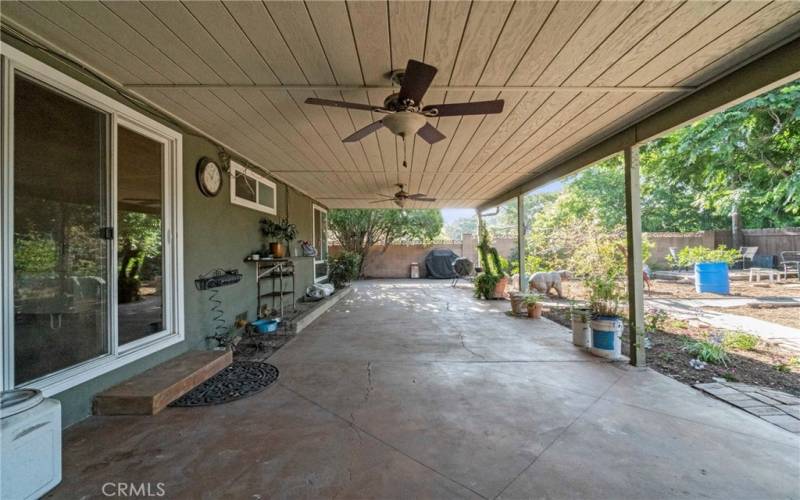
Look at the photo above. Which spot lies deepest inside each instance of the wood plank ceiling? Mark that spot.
(220, 66)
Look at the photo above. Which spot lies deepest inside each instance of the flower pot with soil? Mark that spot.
(500, 288)
(534, 305)
(517, 300)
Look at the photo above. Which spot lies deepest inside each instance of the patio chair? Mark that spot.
(747, 253)
(790, 263)
(673, 252)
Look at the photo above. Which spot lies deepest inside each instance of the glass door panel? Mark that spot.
(60, 255)
(140, 238)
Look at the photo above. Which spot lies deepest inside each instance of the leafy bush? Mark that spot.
(740, 340)
(343, 268)
(532, 299)
(689, 256)
(604, 295)
(654, 320)
(705, 350)
(484, 285)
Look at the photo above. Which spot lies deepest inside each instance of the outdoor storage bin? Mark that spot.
(711, 277)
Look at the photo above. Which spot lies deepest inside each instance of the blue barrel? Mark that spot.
(711, 277)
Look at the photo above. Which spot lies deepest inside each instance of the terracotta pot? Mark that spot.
(277, 250)
(534, 310)
(500, 288)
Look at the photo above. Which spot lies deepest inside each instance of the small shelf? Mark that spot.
(276, 271)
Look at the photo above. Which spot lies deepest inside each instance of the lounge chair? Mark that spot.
(747, 253)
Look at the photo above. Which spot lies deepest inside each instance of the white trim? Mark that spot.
(316, 208)
(118, 114)
(237, 169)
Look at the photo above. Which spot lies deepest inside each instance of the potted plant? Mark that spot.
(485, 284)
(280, 232)
(492, 271)
(710, 267)
(604, 297)
(533, 302)
(343, 268)
(580, 318)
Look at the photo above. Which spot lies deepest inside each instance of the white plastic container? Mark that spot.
(30, 455)
(414, 270)
(581, 331)
(607, 337)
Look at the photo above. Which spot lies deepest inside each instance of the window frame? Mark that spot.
(13, 62)
(314, 209)
(237, 169)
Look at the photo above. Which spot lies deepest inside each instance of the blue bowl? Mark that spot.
(266, 325)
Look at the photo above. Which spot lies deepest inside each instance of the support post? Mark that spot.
(478, 251)
(633, 212)
(521, 240)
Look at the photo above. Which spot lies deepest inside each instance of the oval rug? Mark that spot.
(238, 380)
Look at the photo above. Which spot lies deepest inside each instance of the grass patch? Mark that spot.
(740, 340)
(707, 351)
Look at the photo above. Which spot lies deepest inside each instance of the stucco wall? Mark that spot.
(216, 234)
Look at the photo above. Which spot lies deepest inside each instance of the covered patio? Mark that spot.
(414, 389)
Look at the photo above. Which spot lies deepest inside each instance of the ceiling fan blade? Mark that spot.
(423, 199)
(416, 80)
(361, 133)
(417, 196)
(466, 108)
(342, 104)
(383, 201)
(429, 133)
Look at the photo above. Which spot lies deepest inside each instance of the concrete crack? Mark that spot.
(464, 345)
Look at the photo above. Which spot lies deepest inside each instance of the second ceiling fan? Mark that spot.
(405, 114)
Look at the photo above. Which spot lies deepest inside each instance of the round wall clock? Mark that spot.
(209, 177)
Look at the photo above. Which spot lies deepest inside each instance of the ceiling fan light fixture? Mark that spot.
(404, 123)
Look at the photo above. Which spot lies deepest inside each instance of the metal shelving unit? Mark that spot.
(279, 272)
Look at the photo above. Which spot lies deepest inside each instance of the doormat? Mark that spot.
(238, 380)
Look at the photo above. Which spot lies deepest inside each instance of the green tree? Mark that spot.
(358, 230)
(746, 157)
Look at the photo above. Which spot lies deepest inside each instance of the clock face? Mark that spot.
(209, 177)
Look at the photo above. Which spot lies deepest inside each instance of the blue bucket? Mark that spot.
(606, 337)
(711, 277)
(265, 325)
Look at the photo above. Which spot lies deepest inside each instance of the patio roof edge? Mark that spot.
(775, 68)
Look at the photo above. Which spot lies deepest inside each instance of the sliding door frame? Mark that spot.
(13, 62)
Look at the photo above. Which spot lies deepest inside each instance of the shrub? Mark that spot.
(710, 352)
(532, 299)
(740, 340)
(343, 268)
(689, 256)
(604, 295)
(484, 285)
(654, 320)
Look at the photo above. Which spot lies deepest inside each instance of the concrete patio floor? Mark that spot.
(412, 389)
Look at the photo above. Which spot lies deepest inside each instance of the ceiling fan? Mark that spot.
(405, 114)
(402, 196)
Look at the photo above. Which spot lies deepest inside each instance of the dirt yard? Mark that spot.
(668, 289)
(786, 316)
(766, 365)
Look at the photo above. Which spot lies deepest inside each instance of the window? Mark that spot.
(251, 190)
(91, 231)
(320, 243)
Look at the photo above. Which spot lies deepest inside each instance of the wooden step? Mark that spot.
(151, 391)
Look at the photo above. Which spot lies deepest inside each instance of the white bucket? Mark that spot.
(607, 337)
(581, 333)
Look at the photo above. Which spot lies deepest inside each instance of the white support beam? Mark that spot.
(521, 241)
(633, 219)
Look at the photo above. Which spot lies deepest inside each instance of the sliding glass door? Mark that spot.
(90, 254)
(61, 249)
